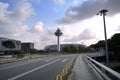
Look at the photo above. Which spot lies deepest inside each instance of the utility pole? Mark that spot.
(58, 33)
(103, 13)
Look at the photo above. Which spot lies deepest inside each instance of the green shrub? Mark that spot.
(14, 52)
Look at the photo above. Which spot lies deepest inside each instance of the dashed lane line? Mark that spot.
(64, 60)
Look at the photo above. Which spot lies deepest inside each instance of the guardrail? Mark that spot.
(65, 73)
(102, 71)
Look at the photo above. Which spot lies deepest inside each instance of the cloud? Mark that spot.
(87, 34)
(47, 36)
(23, 10)
(88, 9)
(60, 2)
(40, 38)
(12, 25)
(37, 27)
(11, 22)
(66, 31)
(55, 10)
(118, 28)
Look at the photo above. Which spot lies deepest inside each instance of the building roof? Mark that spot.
(2, 38)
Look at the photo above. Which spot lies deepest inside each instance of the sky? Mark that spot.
(37, 20)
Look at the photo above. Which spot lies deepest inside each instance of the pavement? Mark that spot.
(81, 71)
(46, 68)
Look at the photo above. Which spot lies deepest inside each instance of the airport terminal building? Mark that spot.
(9, 44)
(54, 47)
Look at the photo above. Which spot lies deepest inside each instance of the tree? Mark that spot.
(69, 48)
(14, 52)
(33, 51)
(115, 45)
(75, 49)
(97, 46)
(83, 49)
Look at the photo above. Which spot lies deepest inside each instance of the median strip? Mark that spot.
(65, 73)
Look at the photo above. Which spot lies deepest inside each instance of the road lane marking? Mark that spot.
(31, 61)
(30, 71)
(64, 60)
(14, 66)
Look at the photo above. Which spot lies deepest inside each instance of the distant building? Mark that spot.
(9, 44)
(27, 46)
(54, 47)
(51, 48)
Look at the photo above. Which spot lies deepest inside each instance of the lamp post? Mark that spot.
(58, 33)
(103, 13)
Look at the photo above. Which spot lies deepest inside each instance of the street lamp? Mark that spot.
(103, 13)
(58, 33)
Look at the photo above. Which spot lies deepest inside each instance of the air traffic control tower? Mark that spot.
(58, 33)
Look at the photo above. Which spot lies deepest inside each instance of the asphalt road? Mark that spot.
(36, 69)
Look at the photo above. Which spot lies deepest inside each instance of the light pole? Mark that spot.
(58, 33)
(103, 13)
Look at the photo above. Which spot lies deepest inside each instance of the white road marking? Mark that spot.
(31, 61)
(15, 66)
(30, 71)
(64, 60)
